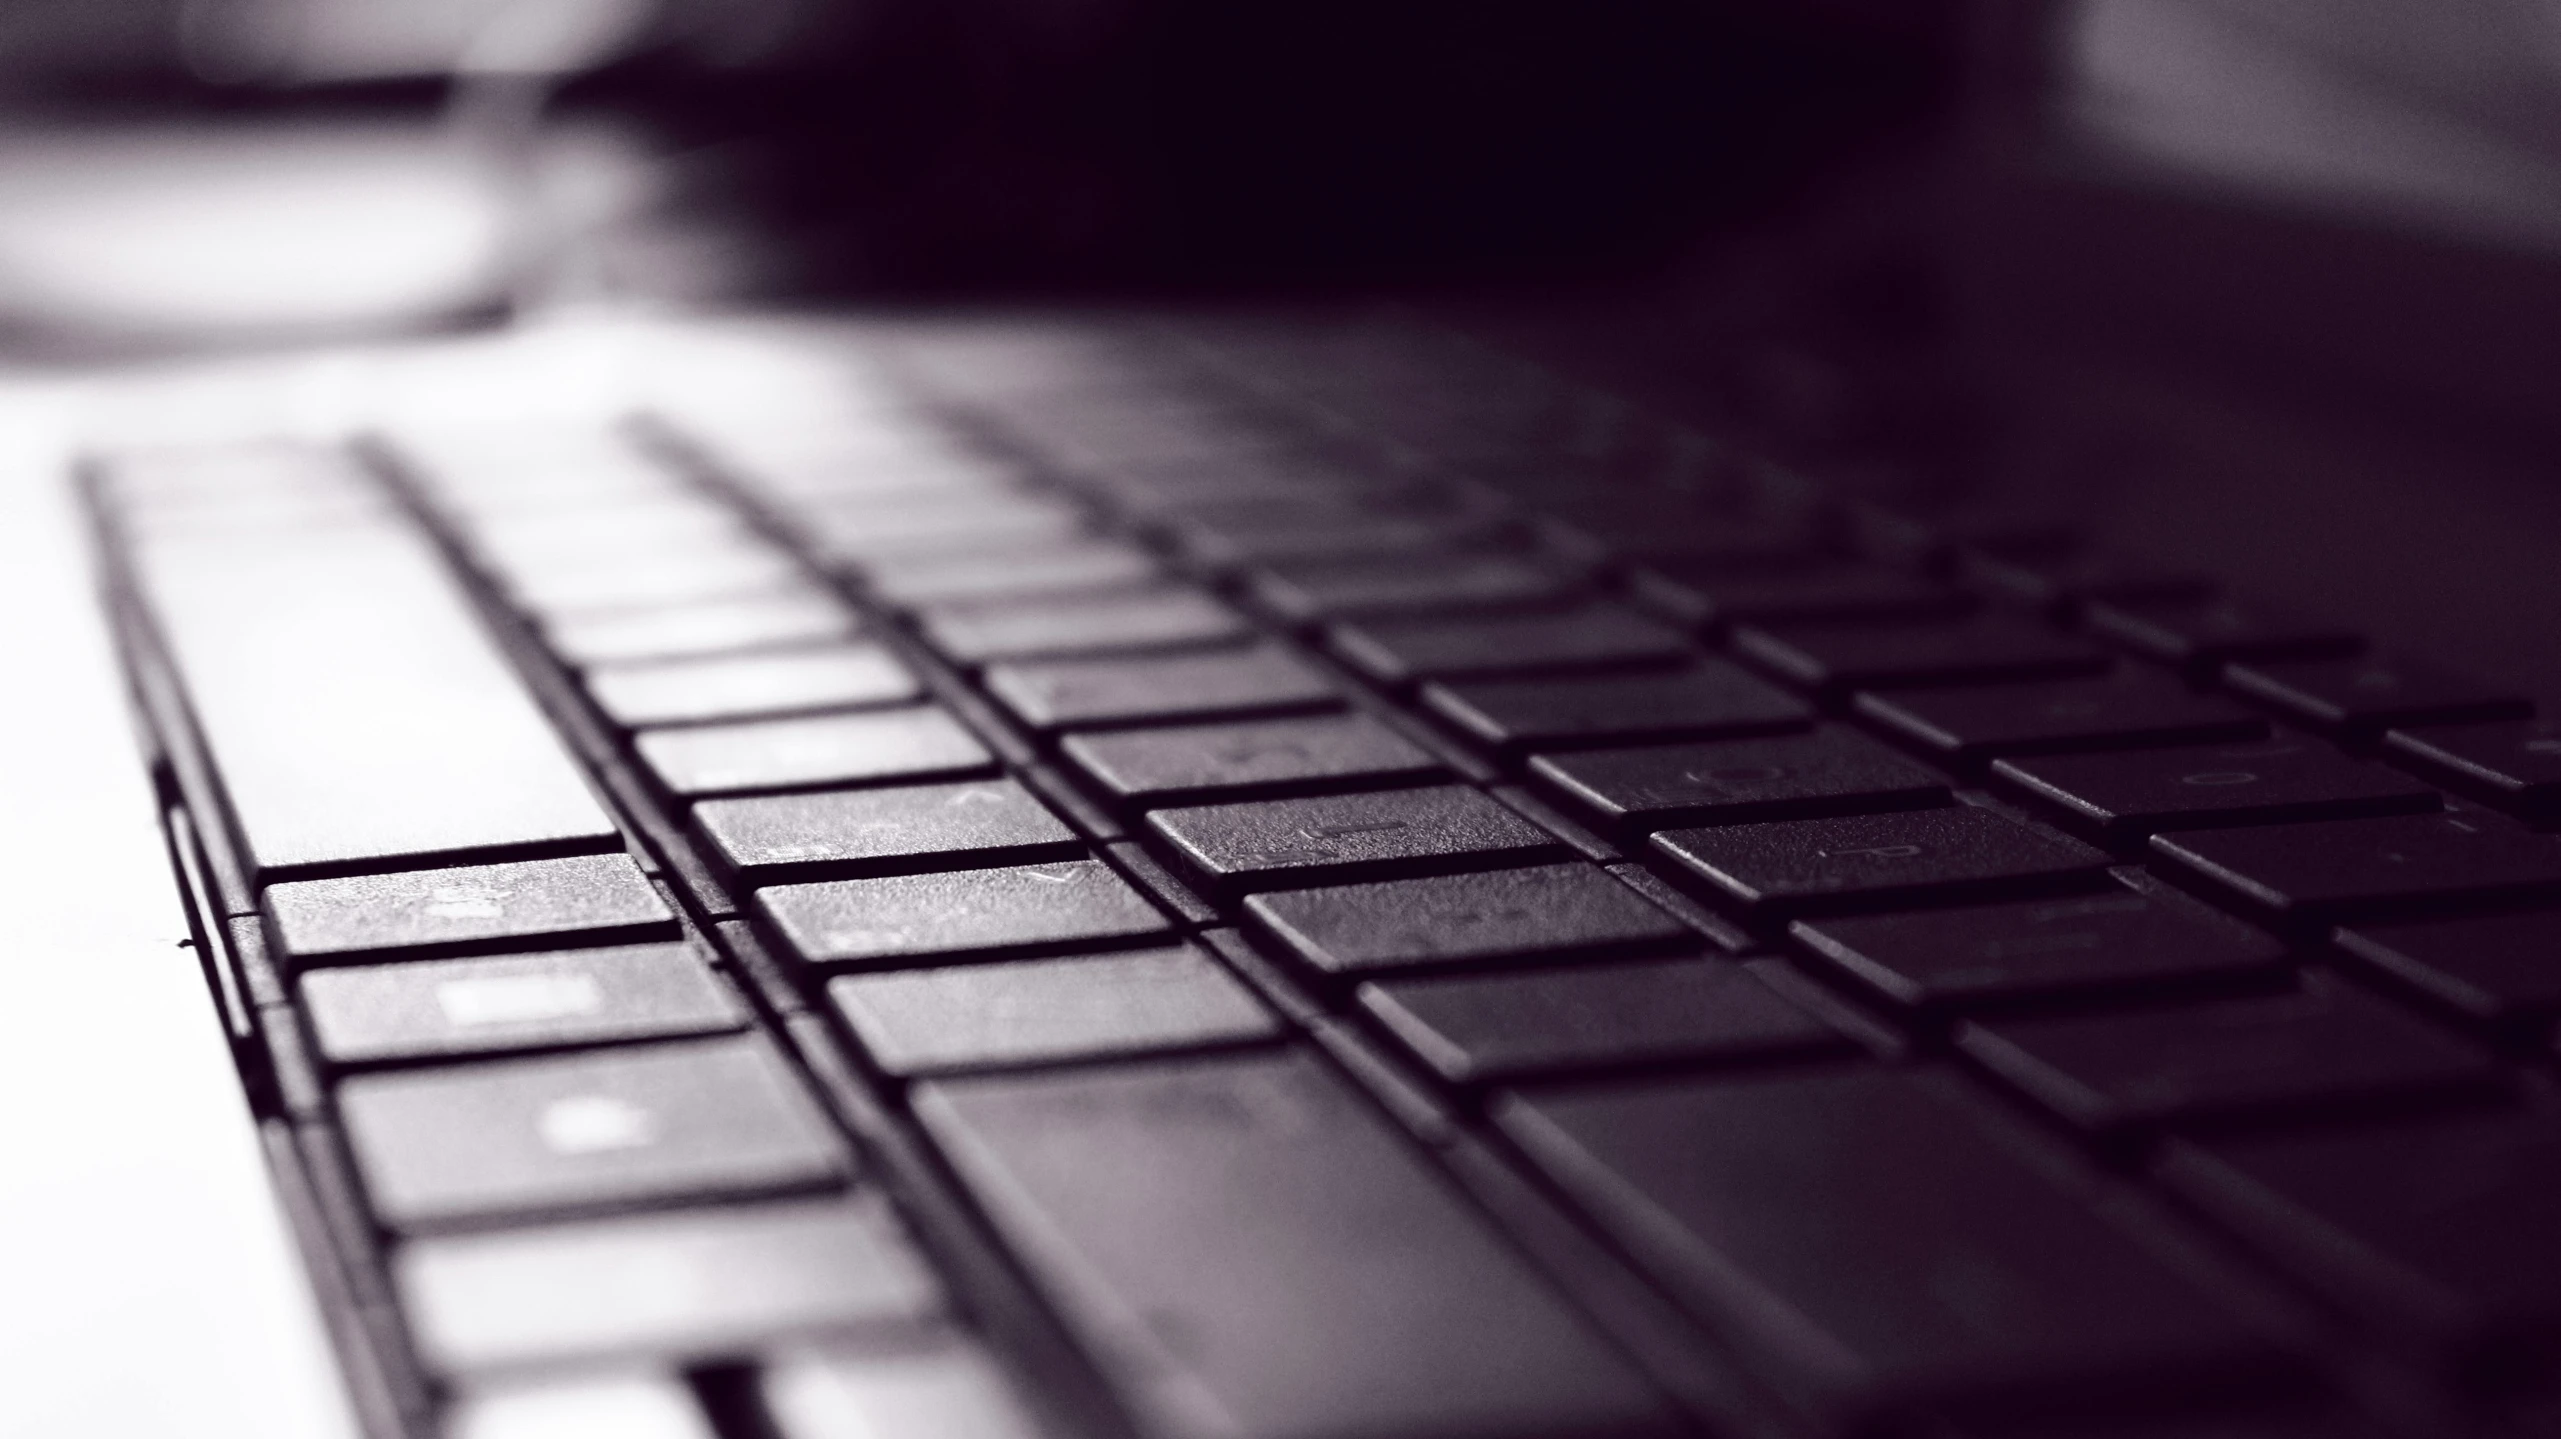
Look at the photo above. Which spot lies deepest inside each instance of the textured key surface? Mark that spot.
(976, 633)
(2120, 797)
(900, 917)
(1050, 569)
(1558, 910)
(738, 686)
(1835, 659)
(2503, 969)
(2202, 633)
(982, 1016)
(592, 898)
(1354, 836)
(2368, 868)
(424, 1008)
(918, 827)
(2513, 764)
(688, 1120)
(1877, 861)
(901, 744)
(1303, 1272)
(945, 1389)
(1825, 771)
(2142, 938)
(698, 1284)
(1709, 701)
(1249, 759)
(2365, 695)
(2127, 710)
(1595, 637)
(756, 622)
(1318, 590)
(1064, 694)
(1483, 1029)
(1852, 1230)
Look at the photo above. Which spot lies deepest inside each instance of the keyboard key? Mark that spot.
(1269, 534)
(858, 529)
(1836, 659)
(1594, 637)
(2145, 939)
(755, 622)
(1292, 842)
(1304, 1274)
(990, 1016)
(681, 571)
(1058, 569)
(967, 911)
(2061, 576)
(1879, 861)
(2326, 1045)
(901, 744)
(886, 831)
(1248, 760)
(694, 1119)
(724, 687)
(2503, 970)
(626, 1406)
(945, 1389)
(426, 1009)
(2364, 697)
(981, 631)
(1066, 694)
(2514, 764)
(1716, 595)
(2205, 633)
(1799, 776)
(1558, 910)
(2122, 797)
(1865, 1241)
(708, 1284)
(1308, 591)
(2368, 868)
(588, 899)
(1713, 700)
(1486, 1029)
(2132, 709)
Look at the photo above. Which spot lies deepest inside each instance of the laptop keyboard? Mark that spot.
(1308, 881)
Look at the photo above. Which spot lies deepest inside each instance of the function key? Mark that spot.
(583, 899)
(1558, 910)
(1825, 771)
(902, 744)
(1306, 592)
(1710, 700)
(917, 917)
(2514, 764)
(2502, 970)
(724, 687)
(979, 631)
(1282, 843)
(1042, 1011)
(2363, 697)
(1073, 694)
(1836, 659)
(886, 831)
(2130, 709)
(423, 1009)
(1879, 861)
(2122, 797)
(2203, 634)
(1592, 637)
(1254, 759)
(2368, 868)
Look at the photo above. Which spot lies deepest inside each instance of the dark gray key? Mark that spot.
(1248, 760)
(886, 831)
(756, 622)
(1269, 534)
(1712, 595)
(1866, 1241)
(1799, 776)
(2059, 576)
(1712, 700)
(1991, 649)
(1556, 910)
(2122, 797)
(901, 744)
(902, 918)
(2368, 868)
(1291, 842)
(1593, 637)
(2203, 634)
(1066, 694)
(2143, 939)
(1036, 1011)
(1486, 1029)
(2326, 1045)
(1058, 569)
(724, 687)
(2514, 764)
(1305, 1276)
(364, 1014)
(2503, 970)
(2129, 710)
(1110, 623)
(694, 1119)
(2365, 696)
(1879, 861)
(1309, 591)
(594, 898)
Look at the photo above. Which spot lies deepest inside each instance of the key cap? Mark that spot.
(689, 1119)
(969, 911)
(2062, 577)
(2503, 970)
(2143, 939)
(2204, 634)
(2117, 798)
(856, 529)
(2364, 697)
(2367, 868)
(885, 831)
(758, 622)
(626, 1406)
(1074, 567)
(1716, 595)
(2514, 764)
(1546, 911)
(902, 744)
(1879, 861)
(1261, 534)
(1303, 1274)
(672, 574)
(710, 1283)
(1799, 776)
(726, 687)
(1248, 760)
(940, 1388)
(1035, 1011)
(1487, 1029)
(425, 1009)
(1309, 591)
(588, 899)
(1991, 649)
(2324, 1046)
(1293, 842)
(1068, 694)
(1874, 1250)
(1014, 629)
(1594, 637)
(1712, 700)
(2132, 709)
